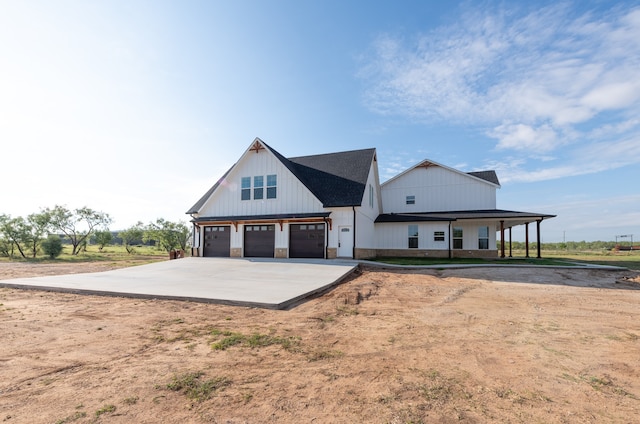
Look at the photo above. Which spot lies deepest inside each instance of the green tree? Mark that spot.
(77, 225)
(168, 235)
(6, 247)
(17, 232)
(39, 224)
(52, 246)
(103, 238)
(131, 236)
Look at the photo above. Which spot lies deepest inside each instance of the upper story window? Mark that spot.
(411, 200)
(272, 186)
(483, 237)
(245, 191)
(258, 187)
(370, 195)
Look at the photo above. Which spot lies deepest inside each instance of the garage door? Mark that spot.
(306, 241)
(217, 242)
(259, 241)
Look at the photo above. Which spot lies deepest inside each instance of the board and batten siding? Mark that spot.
(470, 233)
(237, 237)
(339, 217)
(437, 189)
(366, 214)
(396, 235)
(292, 195)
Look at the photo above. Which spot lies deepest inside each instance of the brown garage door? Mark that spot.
(259, 241)
(306, 241)
(217, 242)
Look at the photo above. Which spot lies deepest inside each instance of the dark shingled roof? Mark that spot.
(457, 215)
(490, 176)
(336, 179)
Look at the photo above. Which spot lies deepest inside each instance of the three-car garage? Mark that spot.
(305, 240)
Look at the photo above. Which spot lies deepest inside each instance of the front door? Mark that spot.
(345, 242)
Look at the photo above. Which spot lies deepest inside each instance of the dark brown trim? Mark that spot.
(526, 239)
(538, 231)
(502, 238)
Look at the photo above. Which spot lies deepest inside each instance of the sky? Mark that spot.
(135, 108)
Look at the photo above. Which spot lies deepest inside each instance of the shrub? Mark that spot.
(52, 246)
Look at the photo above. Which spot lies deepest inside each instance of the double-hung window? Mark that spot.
(411, 200)
(413, 236)
(258, 187)
(245, 188)
(272, 186)
(457, 237)
(483, 237)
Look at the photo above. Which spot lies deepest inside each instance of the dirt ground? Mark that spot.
(512, 345)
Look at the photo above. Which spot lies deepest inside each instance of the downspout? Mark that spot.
(354, 232)
(449, 239)
(193, 241)
(326, 237)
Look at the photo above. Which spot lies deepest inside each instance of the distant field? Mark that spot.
(92, 254)
(627, 259)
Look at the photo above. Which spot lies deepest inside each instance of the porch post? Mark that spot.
(538, 233)
(510, 243)
(526, 239)
(502, 239)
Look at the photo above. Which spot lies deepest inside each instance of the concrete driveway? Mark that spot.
(266, 283)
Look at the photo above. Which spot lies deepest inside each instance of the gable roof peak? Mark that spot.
(485, 176)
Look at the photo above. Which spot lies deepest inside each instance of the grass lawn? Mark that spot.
(92, 254)
(629, 260)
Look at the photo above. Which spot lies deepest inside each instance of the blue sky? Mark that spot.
(136, 108)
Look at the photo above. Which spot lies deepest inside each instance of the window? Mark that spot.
(370, 195)
(457, 237)
(258, 187)
(272, 182)
(411, 200)
(438, 236)
(245, 192)
(483, 237)
(413, 236)
(258, 190)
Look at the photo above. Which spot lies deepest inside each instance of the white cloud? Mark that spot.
(524, 137)
(591, 158)
(535, 78)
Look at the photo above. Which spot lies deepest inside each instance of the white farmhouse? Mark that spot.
(332, 205)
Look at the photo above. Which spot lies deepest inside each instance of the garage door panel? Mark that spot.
(217, 241)
(306, 240)
(259, 241)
